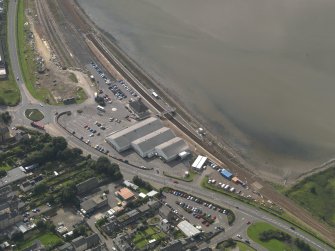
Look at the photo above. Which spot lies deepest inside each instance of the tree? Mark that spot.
(100, 101)
(59, 143)
(302, 245)
(68, 195)
(229, 243)
(40, 188)
(3, 173)
(313, 190)
(103, 165)
(78, 231)
(6, 118)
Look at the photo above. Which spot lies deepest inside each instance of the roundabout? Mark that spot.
(34, 114)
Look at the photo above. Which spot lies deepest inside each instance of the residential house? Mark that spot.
(121, 242)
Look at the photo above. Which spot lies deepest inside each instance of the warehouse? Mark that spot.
(121, 140)
(188, 229)
(145, 146)
(170, 149)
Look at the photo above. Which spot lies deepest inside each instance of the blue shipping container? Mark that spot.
(228, 175)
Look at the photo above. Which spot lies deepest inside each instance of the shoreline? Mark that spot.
(268, 175)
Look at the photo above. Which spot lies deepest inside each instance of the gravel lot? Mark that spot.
(67, 216)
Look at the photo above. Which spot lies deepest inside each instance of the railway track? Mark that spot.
(47, 22)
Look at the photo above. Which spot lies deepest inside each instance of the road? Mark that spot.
(27, 101)
(239, 208)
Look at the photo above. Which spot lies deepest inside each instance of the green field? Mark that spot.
(256, 229)
(26, 57)
(34, 114)
(47, 239)
(316, 194)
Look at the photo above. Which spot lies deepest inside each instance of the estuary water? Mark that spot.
(261, 73)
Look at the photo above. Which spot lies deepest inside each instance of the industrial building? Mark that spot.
(171, 149)
(145, 146)
(121, 140)
(149, 138)
(188, 229)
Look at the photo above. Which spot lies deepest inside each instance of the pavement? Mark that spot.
(242, 211)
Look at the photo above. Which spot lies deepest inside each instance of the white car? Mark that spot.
(41, 104)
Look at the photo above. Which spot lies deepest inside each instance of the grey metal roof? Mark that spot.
(79, 241)
(138, 106)
(188, 229)
(151, 140)
(12, 176)
(172, 147)
(124, 137)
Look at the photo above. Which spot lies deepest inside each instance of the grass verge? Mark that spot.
(9, 91)
(34, 114)
(188, 178)
(27, 56)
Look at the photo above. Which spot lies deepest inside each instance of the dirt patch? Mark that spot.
(59, 82)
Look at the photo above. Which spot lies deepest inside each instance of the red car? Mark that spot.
(175, 181)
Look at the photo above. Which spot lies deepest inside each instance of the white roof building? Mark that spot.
(196, 162)
(121, 140)
(170, 149)
(152, 193)
(188, 229)
(145, 146)
(127, 183)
